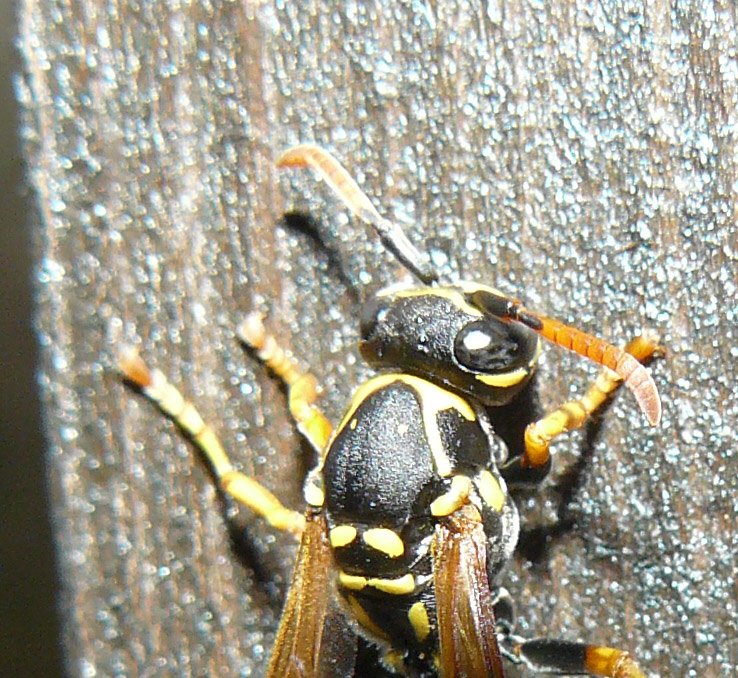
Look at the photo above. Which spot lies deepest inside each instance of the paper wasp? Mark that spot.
(409, 519)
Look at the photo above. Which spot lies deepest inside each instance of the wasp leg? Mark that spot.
(557, 656)
(562, 657)
(241, 487)
(301, 386)
(573, 414)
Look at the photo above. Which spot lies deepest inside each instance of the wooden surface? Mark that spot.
(581, 156)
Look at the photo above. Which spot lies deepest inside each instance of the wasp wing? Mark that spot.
(466, 619)
(314, 640)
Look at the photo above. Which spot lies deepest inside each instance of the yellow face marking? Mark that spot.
(505, 379)
(352, 582)
(452, 500)
(457, 298)
(363, 618)
(342, 535)
(354, 423)
(513, 377)
(397, 587)
(418, 616)
(433, 399)
(384, 540)
(490, 490)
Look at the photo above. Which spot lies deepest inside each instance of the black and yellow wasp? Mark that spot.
(409, 518)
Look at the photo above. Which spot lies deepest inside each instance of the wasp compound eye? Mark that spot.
(483, 347)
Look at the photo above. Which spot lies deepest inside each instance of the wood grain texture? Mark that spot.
(580, 156)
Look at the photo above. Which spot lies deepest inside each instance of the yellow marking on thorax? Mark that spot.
(434, 400)
(454, 499)
(490, 490)
(385, 540)
(360, 395)
(471, 286)
(342, 535)
(418, 616)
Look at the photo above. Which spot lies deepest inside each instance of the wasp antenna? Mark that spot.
(634, 375)
(624, 363)
(335, 175)
(346, 188)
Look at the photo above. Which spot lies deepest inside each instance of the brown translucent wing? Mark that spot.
(314, 639)
(466, 618)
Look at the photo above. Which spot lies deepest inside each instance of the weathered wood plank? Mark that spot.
(579, 156)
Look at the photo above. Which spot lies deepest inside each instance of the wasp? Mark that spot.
(409, 518)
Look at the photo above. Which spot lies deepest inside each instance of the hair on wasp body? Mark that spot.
(409, 518)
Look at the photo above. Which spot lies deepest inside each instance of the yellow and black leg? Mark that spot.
(301, 386)
(562, 657)
(238, 485)
(544, 655)
(535, 461)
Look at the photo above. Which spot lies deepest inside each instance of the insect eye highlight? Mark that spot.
(483, 346)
